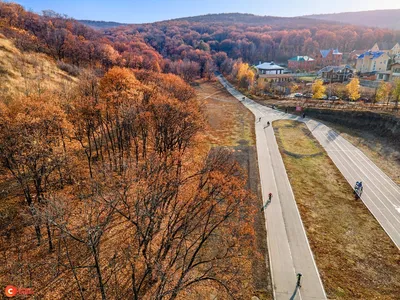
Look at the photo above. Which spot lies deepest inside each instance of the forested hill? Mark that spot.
(251, 19)
(101, 24)
(225, 18)
(389, 18)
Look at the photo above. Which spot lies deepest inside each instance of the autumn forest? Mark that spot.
(108, 190)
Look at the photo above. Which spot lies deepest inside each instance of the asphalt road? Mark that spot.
(289, 250)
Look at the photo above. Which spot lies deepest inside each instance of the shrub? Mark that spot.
(70, 69)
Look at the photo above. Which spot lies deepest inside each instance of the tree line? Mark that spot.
(191, 48)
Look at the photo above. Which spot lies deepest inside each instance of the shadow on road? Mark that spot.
(315, 128)
(266, 205)
(332, 135)
(294, 293)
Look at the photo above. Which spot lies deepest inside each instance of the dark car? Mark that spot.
(308, 95)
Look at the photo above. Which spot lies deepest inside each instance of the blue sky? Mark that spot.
(135, 11)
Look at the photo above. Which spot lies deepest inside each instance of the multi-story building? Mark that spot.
(390, 75)
(303, 63)
(372, 62)
(392, 49)
(330, 57)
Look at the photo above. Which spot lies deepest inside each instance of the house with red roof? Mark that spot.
(329, 57)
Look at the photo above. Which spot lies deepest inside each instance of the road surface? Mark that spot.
(289, 250)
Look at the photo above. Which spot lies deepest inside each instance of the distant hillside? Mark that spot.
(251, 19)
(24, 72)
(101, 24)
(389, 18)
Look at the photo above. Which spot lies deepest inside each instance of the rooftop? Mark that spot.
(372, 54)
(325, 53)
(334, 69)
(301, 58)
(269, 66)
(386, 45)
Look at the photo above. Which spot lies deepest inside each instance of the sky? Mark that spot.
(145, 11)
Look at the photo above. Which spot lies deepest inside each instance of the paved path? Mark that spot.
(288, 246)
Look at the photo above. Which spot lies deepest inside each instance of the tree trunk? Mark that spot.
(99, 276)
(49, 236)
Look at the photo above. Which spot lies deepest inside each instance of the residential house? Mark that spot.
(269, 68)
(396, 59)
(271, 72)
(304, 63)
(392, 49)
(353, 55)
(395, 72)
(390, 75)
(330, 57)
(336, 73)
(372, 62)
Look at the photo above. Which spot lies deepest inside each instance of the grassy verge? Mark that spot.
(355, 257)
(231, 125)
(308, 78)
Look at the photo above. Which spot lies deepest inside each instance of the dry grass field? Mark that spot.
(229, 124)
(355, 257)
(26, 73)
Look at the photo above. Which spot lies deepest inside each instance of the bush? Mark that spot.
(70, 69)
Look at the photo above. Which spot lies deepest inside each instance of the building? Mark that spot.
(394, 72)
(336, 73)
(390, 75)
(392, 49)
(303, 63)
(353, 55)
(271, 72)
(372, 62)
(330, 57)
(269, 68)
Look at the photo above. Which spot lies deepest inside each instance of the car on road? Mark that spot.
(298, 95)
(334, 98)
(308, 95)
